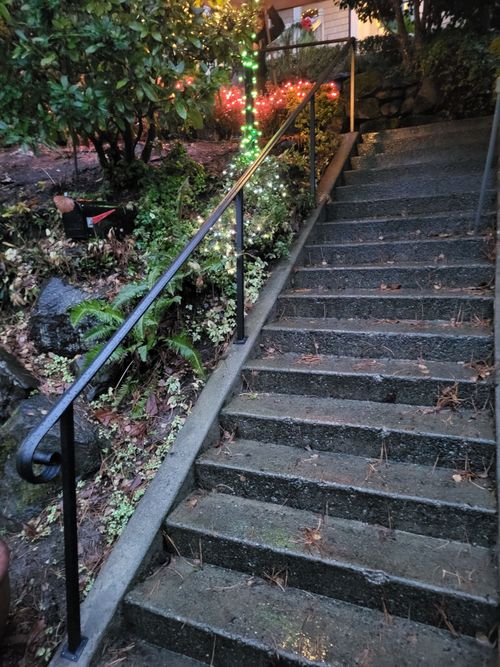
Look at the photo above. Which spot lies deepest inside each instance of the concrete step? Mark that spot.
(430, 130)
(371, 145)
(227, 618)
(374, 339)
(385, 380)
(425, 154)
(405, 206)
(334, 557)
(430, 275)
(399, 432)
(407, 497)
(460, 168)
(433, 186)
(131, 651)
(436, 225)
(389, 302)
(376, 252)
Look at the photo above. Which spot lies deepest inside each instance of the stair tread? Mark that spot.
(313, 629)
(134, 652)
(402, 418)
(410, 480)
(422, 156)
(412, 369)
(449, 263)
(411, 293)
(382, 243)
(466, 215)
(447, 126)
(385, 326)
(421, 559)
(490, 192)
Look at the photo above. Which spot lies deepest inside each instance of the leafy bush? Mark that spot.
(464, 69)
(307, 63)
(170, 194)
(113, 73)
(379, 52)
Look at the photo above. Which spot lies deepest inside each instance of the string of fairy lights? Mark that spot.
(250, 132)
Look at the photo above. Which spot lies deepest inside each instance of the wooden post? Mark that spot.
(353, 86)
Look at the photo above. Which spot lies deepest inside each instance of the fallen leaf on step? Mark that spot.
(309, 359)
(192, 502)
(457, 478)
(390, 286)
(437, 286)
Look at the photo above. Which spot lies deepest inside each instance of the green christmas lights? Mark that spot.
(249, 131)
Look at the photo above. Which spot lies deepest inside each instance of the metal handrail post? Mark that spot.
(240, 270)
(353, 86)
(312, 146)
(76, 642)
(489, 157)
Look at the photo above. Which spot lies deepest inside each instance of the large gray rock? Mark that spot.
(49, 325)
(20, 500)
(367, 109)
(15, 383)
(390, 108)
(427, 97)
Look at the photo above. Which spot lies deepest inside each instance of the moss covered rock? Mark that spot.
(20, 500)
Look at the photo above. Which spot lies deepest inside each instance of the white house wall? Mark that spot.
(335, 21)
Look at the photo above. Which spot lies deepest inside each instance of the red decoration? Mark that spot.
(306, 23)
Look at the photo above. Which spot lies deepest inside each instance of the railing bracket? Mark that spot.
(74, 656)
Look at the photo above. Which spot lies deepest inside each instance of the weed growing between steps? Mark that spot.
(158, 373)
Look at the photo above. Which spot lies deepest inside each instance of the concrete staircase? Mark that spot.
(348, 514)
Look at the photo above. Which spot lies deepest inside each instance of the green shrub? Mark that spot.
(305, 63)
(383, 51)
(464, 70)
(169, 194)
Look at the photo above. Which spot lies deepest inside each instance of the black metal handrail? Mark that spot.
(53, 463)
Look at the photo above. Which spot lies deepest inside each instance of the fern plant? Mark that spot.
(145, 335)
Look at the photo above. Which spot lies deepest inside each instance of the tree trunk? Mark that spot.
(402, 32)
(115, 154)
(418, 26)
(99, 149)
(426, 17)
(140, 129)
(150, 137)
(128, 139)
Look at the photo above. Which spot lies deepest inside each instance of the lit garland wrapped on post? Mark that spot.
(249, 131)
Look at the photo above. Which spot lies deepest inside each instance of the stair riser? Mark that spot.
(393, 174)
(405, 447)
(398, 229)
(380, 345)
(418, 156)
(405, 514)
(198, 642)
(369, 387)
(400, 188)
(475, 141)
(333, 580)
(404, 206)
(413, 251)
(384, 307)
(370, 278)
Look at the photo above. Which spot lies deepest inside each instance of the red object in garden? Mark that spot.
(96, 219)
